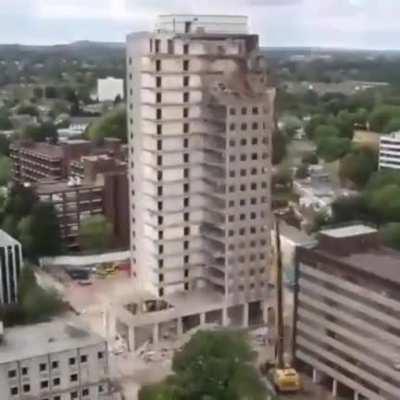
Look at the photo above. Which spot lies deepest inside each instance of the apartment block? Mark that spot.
(55, 361)
(98, 185)
(33, 162)
(347, 301)
(11, 264)
(389, 151)
(200, 115)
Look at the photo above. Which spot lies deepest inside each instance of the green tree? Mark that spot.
(212, 365)
(349, 208)
(331, 148)
(112, 124)
(5, 170)
(38, 92)
(20, 201)
(316, 121)
(291, 124)
(326, 131)
(50, 92)
(358, 166)
(41, 133)
(391, 235)
(385, 203)
(29, 109)
(95, 233)
(393, 125)
(279, 147)
(4, 145)
(40, 233)
(310, 158)
(5, 122)
(382, 115)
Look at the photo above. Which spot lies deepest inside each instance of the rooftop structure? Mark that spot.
(348, 287)
(389, 151)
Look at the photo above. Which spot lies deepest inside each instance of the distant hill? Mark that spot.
(81, 49)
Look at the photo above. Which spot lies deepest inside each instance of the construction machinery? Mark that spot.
(285, 377)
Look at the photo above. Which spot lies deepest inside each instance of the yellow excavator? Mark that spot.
(285, 377)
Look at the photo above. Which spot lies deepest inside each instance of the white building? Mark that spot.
(200, 115)
(109, 89)
(389, 151)
(55, 361)
(11, 264)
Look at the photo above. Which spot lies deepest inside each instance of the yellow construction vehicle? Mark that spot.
(285, 378)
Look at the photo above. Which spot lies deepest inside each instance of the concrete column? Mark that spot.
(245, 315)
(334, 388)
(131, 338)
(317, 376)
(356, 396)
(225, 320)
(202, 319)
(179, 327)
(156, 333)
(112, 326)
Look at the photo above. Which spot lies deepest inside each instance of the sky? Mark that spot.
(369, 24)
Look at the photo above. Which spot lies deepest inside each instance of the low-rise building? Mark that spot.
(11, 264)
(77, 127)
(345, 326)
(98, 185)
(389, 151)
(33, 162)
(109, 89)
(56, 360)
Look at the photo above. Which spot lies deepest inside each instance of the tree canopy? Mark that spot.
(112, 124)
(5, 170)
(382, 115)
(391, 235)
(213, 366)
(95, 233)
(358, 166)
(39, 232)
(331, 148)
(29, 109)
(41, 133)
(279, 147)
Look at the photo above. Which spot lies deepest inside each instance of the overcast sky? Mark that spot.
(330, 23)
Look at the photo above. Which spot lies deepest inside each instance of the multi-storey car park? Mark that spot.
(200, 115)
(347, 300)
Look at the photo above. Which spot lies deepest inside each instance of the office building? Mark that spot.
(109, 89)
(200, 114)
(33, 162)
(55, 360)
(98, 185)
(389, 151)
(11, 264)
(347, 302)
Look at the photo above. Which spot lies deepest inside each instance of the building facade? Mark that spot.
(56, 361)
(109, 89)
(11, 264)
(200, 115)
(98, 186)
(33, 162)
(347, 300)
(389, 151)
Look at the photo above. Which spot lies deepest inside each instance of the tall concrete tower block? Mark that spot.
(200, 117)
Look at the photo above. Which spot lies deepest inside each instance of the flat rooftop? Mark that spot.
(362, 252)
(348, 231)
(26, 342)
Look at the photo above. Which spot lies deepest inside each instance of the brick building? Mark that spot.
(33, 162)
(98, 186)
